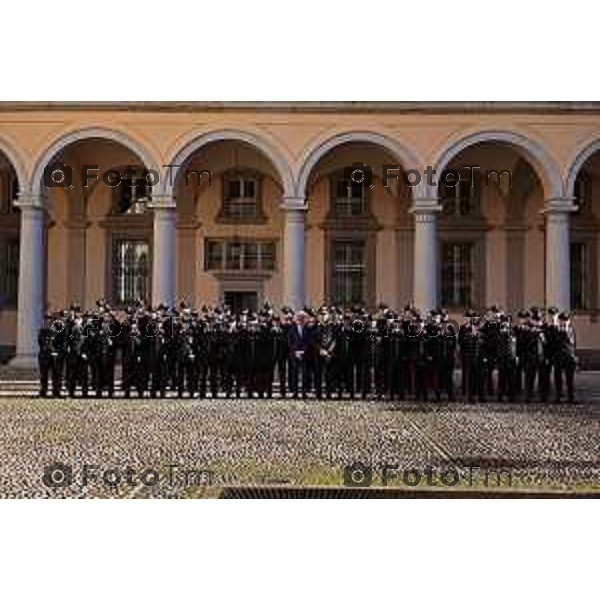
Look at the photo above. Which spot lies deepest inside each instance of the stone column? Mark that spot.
(77, 251)
(164, 253)
(187, 246)
(558, 274)
(294, 252)
(31, 281)
(426, 269)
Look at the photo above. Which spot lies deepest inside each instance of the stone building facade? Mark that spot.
(268, 212)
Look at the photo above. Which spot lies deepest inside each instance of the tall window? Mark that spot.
(349, 272)
(240, 196)
(349, 198)
(457, 274)
(130, 270)
(9, 272)
(579, 276)
(461, 199)
(239, 255)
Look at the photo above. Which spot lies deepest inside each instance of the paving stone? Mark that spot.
(266, 442)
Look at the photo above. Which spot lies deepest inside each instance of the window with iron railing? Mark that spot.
(131, 270)
(460, 200)
(349, 199)
(241, 197)
(349, 272)
(239, 255)
(458, 274)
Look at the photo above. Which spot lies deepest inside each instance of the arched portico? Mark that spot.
(544, 165)
(422, 197)
(557, 205)
(15, 158)
(182, 153)
(32, 203)
(581, 183)
(406, 155)
(185, 149)
(11, 180)
(148, 158)
(574, 166)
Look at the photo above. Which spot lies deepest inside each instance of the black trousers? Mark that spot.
(103, 374)
(299, 371)
(53, 367)
(565, 367)
(77, 375)
(281, 365)
(352, 374)
(130, 374)
(506, 378)
(209, 375)
(544, 376)
(531, 369)
(397, 377)
(329, 374)
(474, 373)
(445, 366)
(45, 370)
(187, 376)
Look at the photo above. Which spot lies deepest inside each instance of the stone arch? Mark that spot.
(16, 160)
(575, 165)
(192, 144)
(141, 151)
(542, 163)
(406, 155)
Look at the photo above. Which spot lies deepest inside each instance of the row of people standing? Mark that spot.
(328, 353)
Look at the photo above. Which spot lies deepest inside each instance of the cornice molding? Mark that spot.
(468, 107)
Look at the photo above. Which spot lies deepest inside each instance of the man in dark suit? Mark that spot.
(564, 357)
(46, 357)
(299, 342)
(550, 335)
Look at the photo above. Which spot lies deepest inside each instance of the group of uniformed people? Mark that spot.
(329, 353)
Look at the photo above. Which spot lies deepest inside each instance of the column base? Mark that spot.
(24, 361)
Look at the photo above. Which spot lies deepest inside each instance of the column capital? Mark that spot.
(425, 208)
(77, 223)
(297, 203)
(164, 202)
(424, 204)
(564, 206)
(28, 201)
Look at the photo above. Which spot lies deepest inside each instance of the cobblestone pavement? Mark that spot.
(266, 442)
